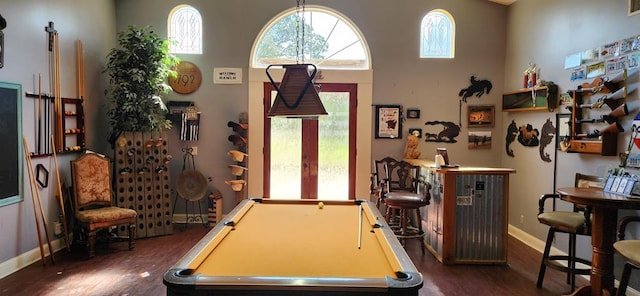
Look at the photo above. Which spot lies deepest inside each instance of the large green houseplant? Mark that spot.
(138, 70)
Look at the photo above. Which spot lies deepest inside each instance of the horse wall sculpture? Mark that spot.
(477, 88)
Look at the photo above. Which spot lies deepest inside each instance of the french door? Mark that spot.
(312, 159)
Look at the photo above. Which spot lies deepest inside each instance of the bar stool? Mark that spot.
(629, 250)
(407, 203)
(574, 223)
(403, 201)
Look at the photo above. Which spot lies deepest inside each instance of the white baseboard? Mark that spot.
(25, 259)
(538, 245)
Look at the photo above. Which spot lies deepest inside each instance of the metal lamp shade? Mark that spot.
(297, 96)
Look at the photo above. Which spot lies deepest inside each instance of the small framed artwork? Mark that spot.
(388, 122)
(563, 129)
(480, 115)
(416, 131)
(413, 113)
(634, 7)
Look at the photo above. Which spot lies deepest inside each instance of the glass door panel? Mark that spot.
(333, 147)
(286, 155)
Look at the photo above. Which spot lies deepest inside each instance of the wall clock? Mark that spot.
(188, 79)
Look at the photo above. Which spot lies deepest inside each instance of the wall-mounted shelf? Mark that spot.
(72, 120)
(523, 99)
(599, 105)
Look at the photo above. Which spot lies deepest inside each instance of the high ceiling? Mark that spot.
(504, 2)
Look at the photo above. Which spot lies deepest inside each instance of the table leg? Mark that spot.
(603, 235)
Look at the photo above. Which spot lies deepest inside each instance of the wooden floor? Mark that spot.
(118, 271)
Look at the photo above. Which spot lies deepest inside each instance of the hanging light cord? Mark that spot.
(300, 10)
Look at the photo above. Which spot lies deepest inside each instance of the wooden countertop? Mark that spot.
(430, 164)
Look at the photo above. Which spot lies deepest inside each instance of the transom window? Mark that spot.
(437, 35)
(185, 30)
(330, 41)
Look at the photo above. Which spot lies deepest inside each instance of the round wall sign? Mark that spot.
(188, 79)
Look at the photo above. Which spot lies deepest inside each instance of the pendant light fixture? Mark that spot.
(297, 96)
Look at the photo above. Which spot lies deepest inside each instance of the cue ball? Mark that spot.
(320, 205)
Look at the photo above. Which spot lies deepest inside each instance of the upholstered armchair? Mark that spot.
(94, 209)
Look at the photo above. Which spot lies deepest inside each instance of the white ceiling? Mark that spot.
(504, 2)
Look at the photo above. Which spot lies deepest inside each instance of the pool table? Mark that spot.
(297, 247)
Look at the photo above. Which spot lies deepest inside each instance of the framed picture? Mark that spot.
(418, 132)
(413, 113)
(480, 115)
(634, 7)
(563, 129)
(12, 147)
(388, 122)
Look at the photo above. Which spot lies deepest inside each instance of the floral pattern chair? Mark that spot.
(94, 209)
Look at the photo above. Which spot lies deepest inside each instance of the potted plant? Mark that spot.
(138, 70)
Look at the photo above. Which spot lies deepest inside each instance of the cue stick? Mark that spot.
(33, 201)
(39, 145)
(42, 214)
(58, 98)
(80, 68)
(60, 200)
(359, 226)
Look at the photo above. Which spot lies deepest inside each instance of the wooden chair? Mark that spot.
(573, 223)
(378, 177)
(94, 210)
(629, 250)
(403, 200)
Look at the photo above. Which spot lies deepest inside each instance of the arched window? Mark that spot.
(330, 41)
(437, 35)
(185, 30)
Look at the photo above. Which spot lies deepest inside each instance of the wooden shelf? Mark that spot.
(522, 99)
(608, 146)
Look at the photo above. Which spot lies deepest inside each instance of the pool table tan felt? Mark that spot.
(294, 247)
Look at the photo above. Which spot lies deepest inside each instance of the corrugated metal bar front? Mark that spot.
(479, 217)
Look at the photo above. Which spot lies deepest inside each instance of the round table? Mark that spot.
(604, 219)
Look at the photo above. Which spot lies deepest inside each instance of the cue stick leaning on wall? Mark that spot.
(59, 195)
(34, 191)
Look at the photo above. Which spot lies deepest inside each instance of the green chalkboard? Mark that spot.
(11, 148)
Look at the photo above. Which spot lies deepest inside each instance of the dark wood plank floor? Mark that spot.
(117, 271)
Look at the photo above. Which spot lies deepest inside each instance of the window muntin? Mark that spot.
(437, 35)
(330, 41)
(185, 30)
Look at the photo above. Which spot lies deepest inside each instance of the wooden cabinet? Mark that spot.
(595, 109)
(466, 221)
(530, 99)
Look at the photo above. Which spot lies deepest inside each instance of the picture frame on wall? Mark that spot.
(563, 129)
(11, 184)
(417, 131)
(480, 115)
(388, 122)
(634, 7)
(413, 113)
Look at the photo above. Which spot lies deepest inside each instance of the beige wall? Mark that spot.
(399, 75)
(26, 55)
(493, 42)
(545, 32)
